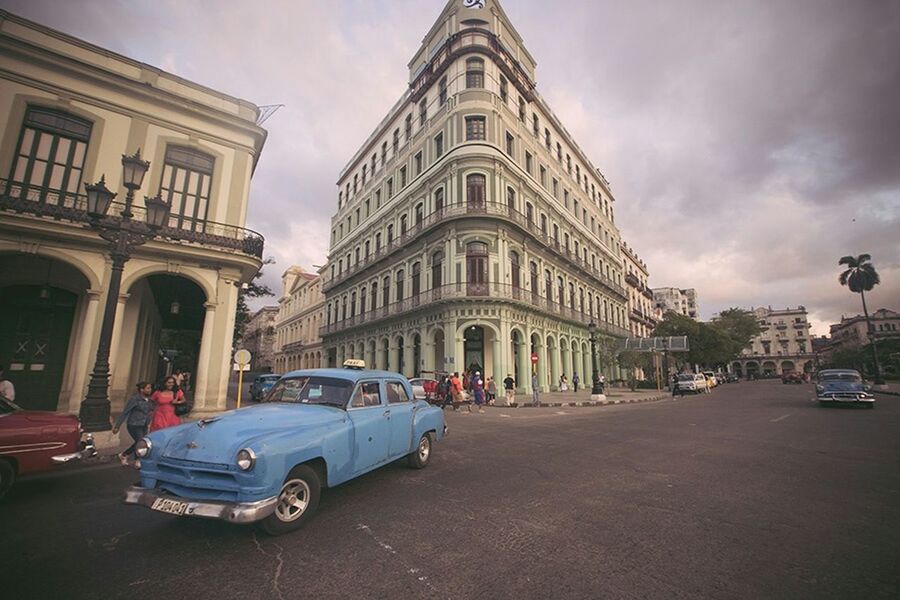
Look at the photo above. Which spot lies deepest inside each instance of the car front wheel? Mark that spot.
(297, 501)
(418, 459)
(7, 477)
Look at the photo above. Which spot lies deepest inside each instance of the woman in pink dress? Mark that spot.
(165, 401)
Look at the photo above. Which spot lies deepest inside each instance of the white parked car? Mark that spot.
(693, 382)
(713, 378)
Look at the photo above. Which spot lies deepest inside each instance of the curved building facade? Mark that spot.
(471, 231)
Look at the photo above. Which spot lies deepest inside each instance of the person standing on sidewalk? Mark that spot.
(137, 415)
(165, 401)
(491, 391)
(509, 384)
(535, 392)
(7, 389)
(478, 391)
(575, 381)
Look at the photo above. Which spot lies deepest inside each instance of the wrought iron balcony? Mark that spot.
(292, 347)
(58, 205)
(483, 292)
(497, 210)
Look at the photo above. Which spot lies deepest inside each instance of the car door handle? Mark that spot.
(387, 414)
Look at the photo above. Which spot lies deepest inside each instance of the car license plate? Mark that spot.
(173, 507)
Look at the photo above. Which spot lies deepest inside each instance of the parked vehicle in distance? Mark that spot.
(261, 385)
(732, 378)
(792, 377)
(843, 386)
(423, 388)
(268, 462)
(32, 441)
(711, 377)
(693, 382)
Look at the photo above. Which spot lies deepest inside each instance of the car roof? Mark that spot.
(838, 371)
(347, 374)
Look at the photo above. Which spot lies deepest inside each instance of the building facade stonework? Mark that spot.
(643, 315)
(679, 301)
(852, 332)
(301, 314)
(471, 231)
(783, 345)
(259, 339)
(68, 112)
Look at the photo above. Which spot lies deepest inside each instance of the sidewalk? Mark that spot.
(583, 398)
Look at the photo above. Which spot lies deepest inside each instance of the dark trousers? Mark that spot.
(136, 432)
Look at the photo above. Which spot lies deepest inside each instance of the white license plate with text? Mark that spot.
(173, 507)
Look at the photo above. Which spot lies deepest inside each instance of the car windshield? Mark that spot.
(845, 377)
(7, 406)
(312, 390)
(686, 377)
(269, 378)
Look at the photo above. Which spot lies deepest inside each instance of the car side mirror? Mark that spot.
(867, 388)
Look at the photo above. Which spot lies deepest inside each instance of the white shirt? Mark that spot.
(7, 390)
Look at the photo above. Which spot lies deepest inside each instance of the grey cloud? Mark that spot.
(769, 130)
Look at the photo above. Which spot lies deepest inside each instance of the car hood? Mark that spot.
(218, 439)
(842, 386)
(46, 418)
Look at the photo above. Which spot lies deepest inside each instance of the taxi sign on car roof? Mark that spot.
(354, 363)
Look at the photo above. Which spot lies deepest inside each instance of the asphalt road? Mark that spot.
(750, 492)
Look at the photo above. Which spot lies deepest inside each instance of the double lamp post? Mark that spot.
(596, 386)
(123, 234)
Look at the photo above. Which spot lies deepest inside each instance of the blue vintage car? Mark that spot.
(268, 462)
(261, 385)
(843, 386)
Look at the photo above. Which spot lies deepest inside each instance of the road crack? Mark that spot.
(279, 564)
(409, 568)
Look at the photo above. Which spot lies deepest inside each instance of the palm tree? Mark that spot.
(861, 276)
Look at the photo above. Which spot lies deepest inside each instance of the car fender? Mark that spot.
(332, 443)
(427, 418)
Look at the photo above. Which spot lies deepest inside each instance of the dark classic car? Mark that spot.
(32, 441)
(843, 386)
(792, 377)
(261, 386)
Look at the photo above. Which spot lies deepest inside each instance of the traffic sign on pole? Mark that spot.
(242, 358)
(534, 358)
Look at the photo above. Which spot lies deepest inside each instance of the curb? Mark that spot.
(584, 404)
(886, 393)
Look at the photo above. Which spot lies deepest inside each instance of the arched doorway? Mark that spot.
(473, 349)
(752, 369)
(518, 350)
(399, 358)
(768, 368)
(45, 343)
(737, 369)
(787, 366)
(439, 356)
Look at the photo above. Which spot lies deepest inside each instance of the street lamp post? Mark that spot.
(123, 235)
(596, 388)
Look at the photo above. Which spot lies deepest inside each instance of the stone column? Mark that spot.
(409, 367)
(567, 360)
(524, 382)
(84, 353)
(554, 365)
(201, 380)
(428, 355)
(380, 358)
(542, 367)
(497, 367)
(459, 353)
(114, 352)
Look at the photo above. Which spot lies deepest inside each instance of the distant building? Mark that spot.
(643, 315)
(301, 312)
(259, 339)
(851, 332)
(682, 302)
(784, 345)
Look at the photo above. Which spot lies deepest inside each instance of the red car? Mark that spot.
(792, 377)
(32, 441)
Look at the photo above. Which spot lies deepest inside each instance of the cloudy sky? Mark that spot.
(750, 144)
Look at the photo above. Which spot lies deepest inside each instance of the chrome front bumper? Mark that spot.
(88, 450)
(846, 399)
(233, 512)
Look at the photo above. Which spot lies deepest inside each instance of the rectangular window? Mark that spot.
(390, 188)
(510, 140)
(529, 162)
(396, 141)
(535, 125)
(407, 127)
(558, 152)
(474, 73)
(543, 178)
(402, 177)
(522, 109)
(186, 181)
(556, 188)
(423, 112)
(50, 158)
(442, 91)
(504, 89)
(438, 145)
(377, 199)
(475, 128)
(418, 163)
(547, 139)
(383, 153)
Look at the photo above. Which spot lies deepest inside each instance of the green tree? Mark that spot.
(709, 345)
(740, 326)
(860, 276)
(254, 289)
(629, 360)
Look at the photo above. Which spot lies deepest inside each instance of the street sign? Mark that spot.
(239, 367)
(534, 358)
(242, 357)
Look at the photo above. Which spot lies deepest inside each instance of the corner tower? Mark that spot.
(471, 231)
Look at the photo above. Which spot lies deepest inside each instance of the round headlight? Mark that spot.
(246, 459)
(143, 447)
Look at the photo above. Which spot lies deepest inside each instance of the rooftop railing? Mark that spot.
(59, 205)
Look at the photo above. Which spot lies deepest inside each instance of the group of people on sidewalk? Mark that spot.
(151, 410)
(453, 389)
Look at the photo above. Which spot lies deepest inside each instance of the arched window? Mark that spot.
(529, 213)
(439, 200)
(374, 295)
(368, 248)
(420, 213)
(477, 268)
(572, 295)
(378, 242)
(390, 234)
(514, 268)
(437, 269)
(386, 290)
(556, 234)
(400, 283)
(185, 184)
(352, 304)
(475, 184)
(533, 272)
(50, 157)
(474, 73)
(416, 279)
(544, 224)
(548, 285)
(362, 300)
(344, 308)
(562, 291)
(402, 225)
(511, 198)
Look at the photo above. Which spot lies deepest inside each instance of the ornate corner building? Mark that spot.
(784, 345)
(70, 110)
(471, 230)
(301, 309)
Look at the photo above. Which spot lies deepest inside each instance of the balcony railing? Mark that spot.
(481, 292)
(491, 209)
(64, 206)
(292, 347)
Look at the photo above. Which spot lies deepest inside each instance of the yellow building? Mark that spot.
(301, 309)
(68, 112)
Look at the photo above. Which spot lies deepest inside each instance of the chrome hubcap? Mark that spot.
(293, 500)
(424, 449)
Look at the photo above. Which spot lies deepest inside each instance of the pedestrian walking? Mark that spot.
(535, 392)
(136, 415)
(456, 389)
(164, 401)
(7, 389)
(478, 391)
(602, 380)
(563, 383)
(509, 384)
(575, 381)
(179, 378)
(491, 391)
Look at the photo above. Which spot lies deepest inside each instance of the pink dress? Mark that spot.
(164, 414)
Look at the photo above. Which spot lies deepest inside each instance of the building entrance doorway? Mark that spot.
(473, 347)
